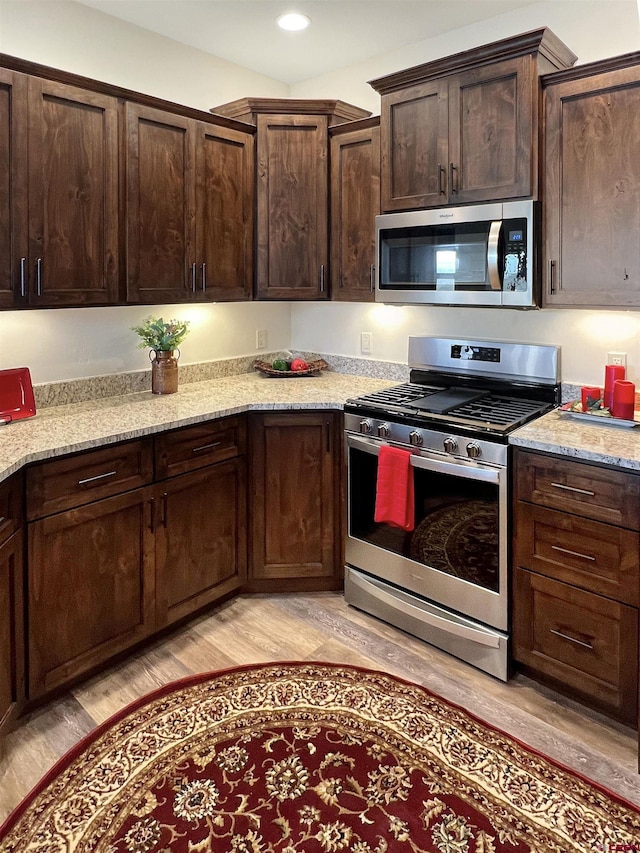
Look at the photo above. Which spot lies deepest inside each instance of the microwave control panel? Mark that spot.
(515, 255)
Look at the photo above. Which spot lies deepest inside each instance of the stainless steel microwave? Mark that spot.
(477, 255)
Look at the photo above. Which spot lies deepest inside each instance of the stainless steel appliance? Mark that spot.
(478, 255)
(447, 580)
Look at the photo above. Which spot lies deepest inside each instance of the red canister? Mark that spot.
(611, 373)
(624, 396)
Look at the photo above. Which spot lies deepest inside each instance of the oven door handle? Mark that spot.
(426, 463)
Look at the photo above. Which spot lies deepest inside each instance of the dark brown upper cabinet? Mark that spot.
(58, 194)
(14, 238)
(465, 128)
(189, 208)
(292, 185)
(592, 185)
(354, 150)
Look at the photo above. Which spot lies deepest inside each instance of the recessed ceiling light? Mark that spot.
(293, 21)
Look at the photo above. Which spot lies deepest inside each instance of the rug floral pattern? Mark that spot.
(305, 758)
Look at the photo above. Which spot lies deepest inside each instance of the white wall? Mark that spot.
(71, 343)
(80, 39)
(75, 343)
(592, 29)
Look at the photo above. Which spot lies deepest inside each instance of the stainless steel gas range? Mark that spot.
(444, 577)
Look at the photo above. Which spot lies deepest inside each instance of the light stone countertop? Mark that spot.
(558, 433)
(57, 430)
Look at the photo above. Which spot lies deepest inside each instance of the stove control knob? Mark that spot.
(416, 438)
(473, 450)
(366, 427)
(450, 445)
(384, 431)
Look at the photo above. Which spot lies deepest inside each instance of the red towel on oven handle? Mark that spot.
(394, 488)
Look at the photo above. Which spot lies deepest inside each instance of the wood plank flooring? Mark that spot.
(320, 627)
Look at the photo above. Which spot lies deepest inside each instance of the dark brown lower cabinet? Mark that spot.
(91, 587)
(11, 629)
(576, 579)
(585, 642)
(295, 501)
(201, 539)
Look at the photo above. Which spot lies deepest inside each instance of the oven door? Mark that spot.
(456, 556)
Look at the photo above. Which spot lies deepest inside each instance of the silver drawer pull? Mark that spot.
(205, 446)
(97, 477)
(573, 553)
(572, 639)
(573, 489)
(3, 518)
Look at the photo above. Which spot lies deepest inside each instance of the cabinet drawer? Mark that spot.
(10, 506)
(192, 447)
(598, 557)
(600, 493)
(84, 477)
(579, 640)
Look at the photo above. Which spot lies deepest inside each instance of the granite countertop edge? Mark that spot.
(614, 446)
(60, 430)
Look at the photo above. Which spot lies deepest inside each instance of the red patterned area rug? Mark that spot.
(310, 758)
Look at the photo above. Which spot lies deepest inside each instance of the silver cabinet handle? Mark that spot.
(23, 278)
(573, 553)
(441, 171)
(452, 185)
(321, 278)
(3, 518)
(571, 639)
(372, 275)
(204, 277)
(573, 489)
(97, 477)
(193, 277)
(39, 276)
(552, 265)
(205, 447)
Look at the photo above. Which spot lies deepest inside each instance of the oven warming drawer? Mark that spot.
(477, 644)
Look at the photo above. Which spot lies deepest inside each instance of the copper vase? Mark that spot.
(164, 372)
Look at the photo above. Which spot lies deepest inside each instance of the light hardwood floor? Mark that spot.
(319, 627)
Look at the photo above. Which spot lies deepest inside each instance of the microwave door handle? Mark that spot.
(492, 255)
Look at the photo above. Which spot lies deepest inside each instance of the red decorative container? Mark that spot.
(612, 372)
(624, 396)
(590, 395)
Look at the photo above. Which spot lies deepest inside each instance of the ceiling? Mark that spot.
(342, 32)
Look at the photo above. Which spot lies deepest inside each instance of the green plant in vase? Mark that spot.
(163, 338)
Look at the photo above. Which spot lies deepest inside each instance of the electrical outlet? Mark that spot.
(261, 338)
(619, 358)
(366, 342)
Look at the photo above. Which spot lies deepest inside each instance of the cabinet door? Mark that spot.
(592, 191)
(73, 195)
(295, 498)
(293, 207)
(491, 141)
(90, 587)
(160, 166)
(584, 643)
(13, 189)
(224, 213)
(11, 629)
(355, 202)
(414, 158)
(201, 539)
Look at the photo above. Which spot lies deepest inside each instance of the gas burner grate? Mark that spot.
(502, 411)
(399, 395)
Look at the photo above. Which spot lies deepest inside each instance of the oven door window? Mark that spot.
(456, 521)
(435, 257)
